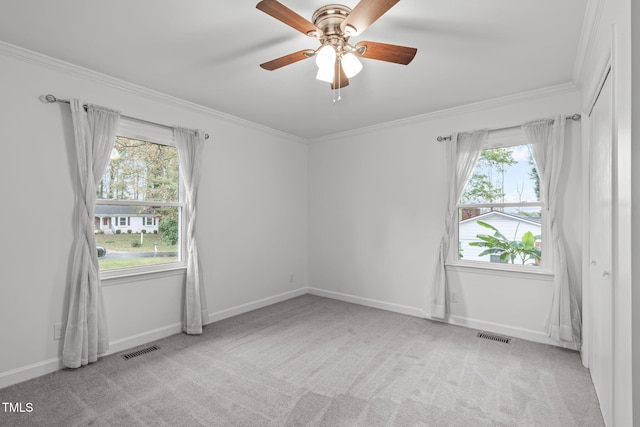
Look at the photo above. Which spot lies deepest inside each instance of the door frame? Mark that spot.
(615, 54)
(607, 71)
(588, 320)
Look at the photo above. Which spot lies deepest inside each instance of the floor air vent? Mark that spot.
(494, 337)
(139, 352)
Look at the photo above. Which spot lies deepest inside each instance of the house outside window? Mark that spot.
(500, 214)
(140, 203)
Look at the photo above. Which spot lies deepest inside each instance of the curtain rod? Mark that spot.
(51, 99)
(448, 138)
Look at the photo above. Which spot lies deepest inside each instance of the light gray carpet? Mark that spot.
(319, 362)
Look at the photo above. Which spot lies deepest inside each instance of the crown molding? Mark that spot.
(592, 16)
(454, 111)
(30, 56)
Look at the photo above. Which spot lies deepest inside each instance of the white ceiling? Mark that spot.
(208, 52)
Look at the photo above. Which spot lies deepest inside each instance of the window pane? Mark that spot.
(510, 235)
(503, 175)
(140, 170)
(126, 238)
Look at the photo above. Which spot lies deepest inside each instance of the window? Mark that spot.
(140, 205)
(501, 221)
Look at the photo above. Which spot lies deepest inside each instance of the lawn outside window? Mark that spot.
(501, 218)
(138, 218)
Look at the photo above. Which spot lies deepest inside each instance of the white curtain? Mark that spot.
(461, 155)
(547, 144)
(190, 145)
(86, 332)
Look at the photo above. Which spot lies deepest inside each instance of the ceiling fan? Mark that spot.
(332, 25)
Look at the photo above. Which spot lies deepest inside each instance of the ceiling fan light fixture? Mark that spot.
(326, 56)
(326, 74)
(351, 64)
(326, 60)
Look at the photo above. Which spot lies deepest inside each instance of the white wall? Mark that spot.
(610, 38)
(376, 212)
(252, 217)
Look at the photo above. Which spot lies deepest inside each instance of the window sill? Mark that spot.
(493, 270)
(118, 277)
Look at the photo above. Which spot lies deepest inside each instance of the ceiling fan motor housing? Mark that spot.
(329, 19)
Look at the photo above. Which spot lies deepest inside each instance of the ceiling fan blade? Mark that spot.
(287, 59)
(366, 13)
(385, 52)
(340, 79)
(289, 17)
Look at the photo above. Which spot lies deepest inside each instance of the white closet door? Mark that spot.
(600, 247)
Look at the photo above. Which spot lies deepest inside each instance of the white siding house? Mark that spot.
(513, 227)
(110, 219)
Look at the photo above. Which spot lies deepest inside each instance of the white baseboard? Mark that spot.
(25, 373)
(396, 308)
(156, 334)
(254, 305)
(37, 369)
(144, 338)
(497, 328)
(510, 331)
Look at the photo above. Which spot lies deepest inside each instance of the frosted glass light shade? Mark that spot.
(351, 65)
(326, 74)
(326, 60)
(326, 57)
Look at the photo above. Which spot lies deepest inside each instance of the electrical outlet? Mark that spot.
(291, 278)
(453, 296)
(58, 331)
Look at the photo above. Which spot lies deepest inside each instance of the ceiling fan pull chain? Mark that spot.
(339, 71)
(339, 75)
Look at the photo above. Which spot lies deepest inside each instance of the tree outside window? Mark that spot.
(138, 206)
(500, 212)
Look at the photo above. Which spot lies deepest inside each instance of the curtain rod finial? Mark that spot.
(48, 99)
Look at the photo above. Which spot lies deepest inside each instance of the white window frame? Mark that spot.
(130, 128)
(501, 139)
